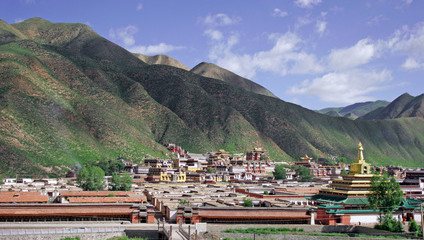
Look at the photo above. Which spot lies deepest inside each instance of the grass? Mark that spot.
(297, 231)
(266, 230)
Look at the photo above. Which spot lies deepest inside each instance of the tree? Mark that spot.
(111, 166)
(413, 226)
(121, 182)
(279, 172)
(211, 170)
(91, 178)
(343, 172)
(247, 202)
(385, 194)
(304, 174)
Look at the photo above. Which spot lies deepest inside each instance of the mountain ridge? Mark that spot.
(81, 98)
(355, 110)
(403, 106)
(211, 70)
(161, 60)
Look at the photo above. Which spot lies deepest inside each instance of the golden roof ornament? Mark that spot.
(360, 153)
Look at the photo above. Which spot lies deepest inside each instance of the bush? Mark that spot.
(389, 223)
(413, 226)
(247, 202)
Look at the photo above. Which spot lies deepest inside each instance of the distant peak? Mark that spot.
(405, 95)
(162, 60)
(36, 20)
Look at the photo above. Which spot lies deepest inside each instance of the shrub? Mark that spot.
(247, 202)
(389, 223)
(413, 226)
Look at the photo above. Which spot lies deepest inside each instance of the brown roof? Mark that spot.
(95, 193)
(106, 199)
(303, 190)
(253, 214)
(65, 210)
(24, 199)
(11, 194)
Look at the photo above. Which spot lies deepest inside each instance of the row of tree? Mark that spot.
(302, 172)
(92, 177)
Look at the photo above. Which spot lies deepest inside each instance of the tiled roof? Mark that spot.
(63, 210)
(95, 193)
(106, 199)
(24, 199)
(11, 194)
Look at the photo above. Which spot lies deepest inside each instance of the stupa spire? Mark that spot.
(360, 153)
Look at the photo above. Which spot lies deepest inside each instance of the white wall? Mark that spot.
(363, 218)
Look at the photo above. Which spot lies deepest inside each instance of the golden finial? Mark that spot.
(360, 153)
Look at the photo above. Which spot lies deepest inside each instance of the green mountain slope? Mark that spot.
(213, 71)
(69, 96)
(403, 106)
(355, 110)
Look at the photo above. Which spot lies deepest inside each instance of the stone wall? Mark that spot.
(83, 236)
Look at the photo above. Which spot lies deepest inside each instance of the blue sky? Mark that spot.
(315, 53)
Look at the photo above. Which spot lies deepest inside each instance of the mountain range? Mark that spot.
(69, 96)
(403, 106)
(355, 110)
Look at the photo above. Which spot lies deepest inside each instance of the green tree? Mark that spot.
(385, 194)
(211, 170)
(91, 178)
(279, 172)
(304, 174)
(121, 182)
(413, 226)
(247, 202)
(111, 166)
(343, 172)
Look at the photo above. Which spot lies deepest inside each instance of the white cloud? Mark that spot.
(283, 58)
(411, 63)
(361, 53)
(407, 2)
(306, 3)
(410, 42)
(376, 20)
(344, 87)
(320, 27)
(279, 13)
(18, 20)
(214, 34)
(221, 19)
(160, 48)
(125, 36)
(139, 7)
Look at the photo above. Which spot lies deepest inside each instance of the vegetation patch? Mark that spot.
(265, 230)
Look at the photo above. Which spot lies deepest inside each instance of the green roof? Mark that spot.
(330, 206)
(410, 203)
(355, 201)
(325, 198)
(339, 200)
